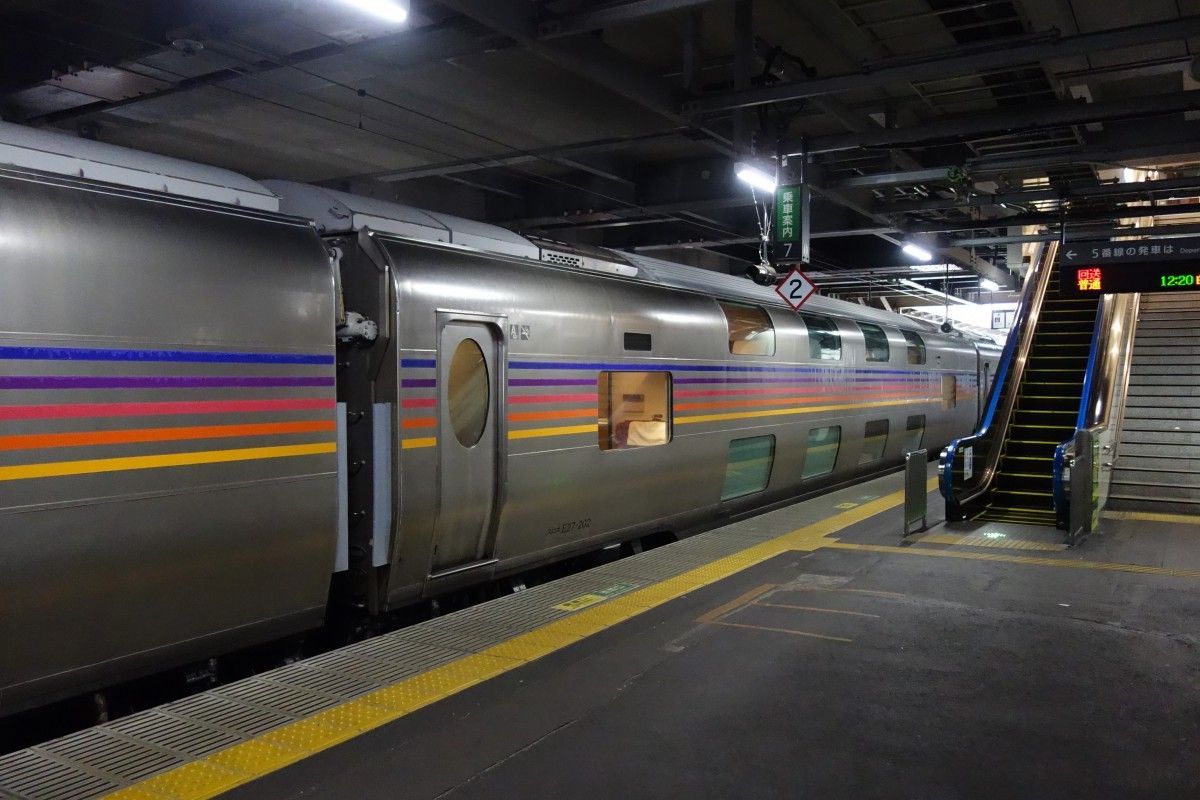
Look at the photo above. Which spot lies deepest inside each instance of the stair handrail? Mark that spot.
(955, 486)
(1101, 409)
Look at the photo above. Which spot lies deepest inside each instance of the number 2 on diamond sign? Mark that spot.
(795, 289)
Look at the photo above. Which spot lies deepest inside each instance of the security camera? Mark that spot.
(761, 274)
(947, 327)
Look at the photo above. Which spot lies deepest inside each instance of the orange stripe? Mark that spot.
(40, 440)
(772, 401)
(419, 422)
(569, 413)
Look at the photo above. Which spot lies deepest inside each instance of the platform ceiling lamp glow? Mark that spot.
(917, 251)
(748, 173)
(387, 10)
(988, 285)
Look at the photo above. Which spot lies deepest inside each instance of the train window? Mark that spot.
(916, 347)
(949, 392)
(634, 409)
(637, 341)
(875, 436)
(748, 466)
(914, 433)
(750, 330)
(824, 343)
(876, 342)
(821, 453)
(467, 393)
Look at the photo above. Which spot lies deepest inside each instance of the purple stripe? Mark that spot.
(551, 382)
(418, 383)
(150, 382)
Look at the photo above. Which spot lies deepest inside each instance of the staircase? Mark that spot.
(1158, 458)
(1046, 410)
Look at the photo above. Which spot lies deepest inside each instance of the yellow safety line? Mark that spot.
(54, 469)
(1153, 516)
(262, 755)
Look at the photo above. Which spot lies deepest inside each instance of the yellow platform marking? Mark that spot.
(819, 609)
(225, 769)
(1153, 516)
(805, 634)
(55, 469)
(983, 540)
(736, 603)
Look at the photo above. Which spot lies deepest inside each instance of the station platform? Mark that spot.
(804, 652)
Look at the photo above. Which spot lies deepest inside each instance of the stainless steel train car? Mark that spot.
(213, 412)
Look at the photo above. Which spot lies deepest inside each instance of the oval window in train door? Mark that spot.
(468, 444)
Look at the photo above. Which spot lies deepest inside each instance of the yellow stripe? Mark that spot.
(777, 412)
(410, 444)
(1153, 516)
(56, 469)
(219, 772)
(565, 430)
(255, 758)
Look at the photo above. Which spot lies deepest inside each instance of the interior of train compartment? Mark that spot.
(588, 398)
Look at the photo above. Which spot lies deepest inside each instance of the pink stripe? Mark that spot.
(91, 410)
(588, 397)
(418, 402)
(797, 390)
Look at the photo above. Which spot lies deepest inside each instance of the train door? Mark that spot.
(471, 437)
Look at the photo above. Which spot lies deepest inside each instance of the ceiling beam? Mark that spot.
(954, 62)
(621, 14)
(955, 129)
(585, 56)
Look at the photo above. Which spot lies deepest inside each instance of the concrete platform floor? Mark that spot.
(973, 662)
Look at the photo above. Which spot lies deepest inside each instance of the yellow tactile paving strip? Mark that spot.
(223, 770)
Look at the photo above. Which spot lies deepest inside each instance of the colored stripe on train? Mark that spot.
(21, 353)
(56, 469)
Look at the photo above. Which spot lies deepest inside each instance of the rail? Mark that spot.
(1080, 480)
(958, 479)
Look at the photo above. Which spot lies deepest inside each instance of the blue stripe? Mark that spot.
(831, 371)
(418, 362)
(177, 356)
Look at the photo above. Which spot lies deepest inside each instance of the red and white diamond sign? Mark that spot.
(795, 289)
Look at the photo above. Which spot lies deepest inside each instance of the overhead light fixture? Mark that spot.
(756, 178)
(916, 251)
(988, 285)
(934, 268)
(387, 10)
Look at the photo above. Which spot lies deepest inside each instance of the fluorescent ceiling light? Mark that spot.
(989, 285)
(384, 9)
(939, 268)
(756, 178)
(917, 252)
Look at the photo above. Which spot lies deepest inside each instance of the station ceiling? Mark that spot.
(979, 127)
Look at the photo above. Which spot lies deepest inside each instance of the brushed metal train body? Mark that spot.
(173, 394)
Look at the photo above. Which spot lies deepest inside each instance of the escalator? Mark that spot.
(1006, 470)
(1045, 412)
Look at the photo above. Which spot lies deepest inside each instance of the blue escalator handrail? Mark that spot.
(1007, 356)
(1058, 486)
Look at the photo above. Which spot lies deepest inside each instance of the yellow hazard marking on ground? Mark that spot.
(986, 540)
(820, 609)
(255, 758)
(736, 603)
(1153, 516)
(845, 506)
(806, 634)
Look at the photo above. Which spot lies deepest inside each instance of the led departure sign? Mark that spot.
(1151, 265)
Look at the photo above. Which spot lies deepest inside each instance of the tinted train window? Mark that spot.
(824, 342)
(748, 466)
(634, 409)
(467, 393)
(750, 330)
(822, 451)
(874, 441)
(876, 342)
(914, 433)
(916, 347)
(949, 392)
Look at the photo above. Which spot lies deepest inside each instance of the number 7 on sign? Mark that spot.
(795, 289)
